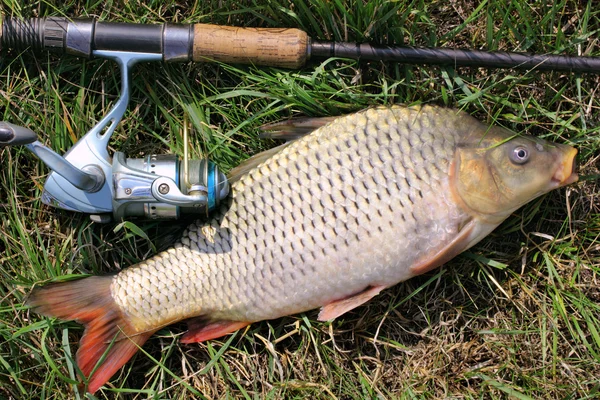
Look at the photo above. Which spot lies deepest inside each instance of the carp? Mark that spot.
(327, 220)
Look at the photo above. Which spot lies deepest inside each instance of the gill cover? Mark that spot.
(495, 171)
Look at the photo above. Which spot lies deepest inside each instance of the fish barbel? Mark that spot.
(327, 220)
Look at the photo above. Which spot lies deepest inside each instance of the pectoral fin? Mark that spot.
(463, 241)
(339, 307)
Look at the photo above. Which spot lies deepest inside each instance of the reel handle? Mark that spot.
(87, 179)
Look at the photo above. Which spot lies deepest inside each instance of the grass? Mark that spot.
(518, 316)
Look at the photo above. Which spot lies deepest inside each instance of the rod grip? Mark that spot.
(278, 47)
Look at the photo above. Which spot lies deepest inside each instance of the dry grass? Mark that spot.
(517, 316)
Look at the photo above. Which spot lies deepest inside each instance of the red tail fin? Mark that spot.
(89, 302)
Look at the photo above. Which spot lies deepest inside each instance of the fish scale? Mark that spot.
(353, 208)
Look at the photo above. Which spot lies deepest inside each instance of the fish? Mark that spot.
(344, 209)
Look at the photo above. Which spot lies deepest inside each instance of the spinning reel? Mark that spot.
(86, 179)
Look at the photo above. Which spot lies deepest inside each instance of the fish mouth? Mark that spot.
(565, 173)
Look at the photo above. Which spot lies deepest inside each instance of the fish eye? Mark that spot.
(519, 155)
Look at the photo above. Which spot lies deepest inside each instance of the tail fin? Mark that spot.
(89, 302)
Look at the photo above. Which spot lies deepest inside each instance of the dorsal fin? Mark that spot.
(289, 130)
(293, 128)
(236, 173)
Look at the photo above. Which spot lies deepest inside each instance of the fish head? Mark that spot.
(496, 173)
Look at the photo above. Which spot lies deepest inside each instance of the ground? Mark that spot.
(516, 316)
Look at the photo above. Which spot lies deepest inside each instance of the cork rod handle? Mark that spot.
(261, 46)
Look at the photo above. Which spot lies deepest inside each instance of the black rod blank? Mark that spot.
(455, 57)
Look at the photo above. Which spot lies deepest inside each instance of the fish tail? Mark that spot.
(109, 340)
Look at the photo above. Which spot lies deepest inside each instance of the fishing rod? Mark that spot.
(278, 47)
(88, 180)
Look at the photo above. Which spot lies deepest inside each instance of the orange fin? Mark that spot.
(199, 330)
(460, 243)
(294, 128)
(107, 333)
(339, 307)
